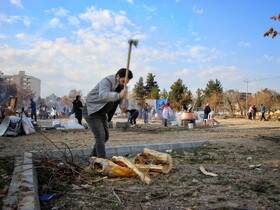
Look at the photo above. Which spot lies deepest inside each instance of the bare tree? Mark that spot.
(233, 102)
(23, 97)
(66, 101)
(269, 98)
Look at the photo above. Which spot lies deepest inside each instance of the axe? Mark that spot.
(130, 42)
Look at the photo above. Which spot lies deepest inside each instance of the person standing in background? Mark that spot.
(33, 110)
(262, 110)
(250, 113)
(184, 108)
(145, 112)
(166, 113)
(53, 112)
(207, 110)
(254, 112)
(77, 109)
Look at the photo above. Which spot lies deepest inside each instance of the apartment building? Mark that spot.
(25, 81)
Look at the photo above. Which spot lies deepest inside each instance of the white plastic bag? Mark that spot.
(72, 123)
(73, 118)
(56, 123)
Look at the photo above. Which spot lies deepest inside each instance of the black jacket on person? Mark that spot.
(207, 109)
(133, 115)
(77, 108)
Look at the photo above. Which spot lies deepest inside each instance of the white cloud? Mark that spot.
(61, 12)
(228, 73)
(244, 44)
(2, 36)
(73, 21)
(183, 73)
(20, 36)
(9, 19)
(55, 22)
(104, 18)
(14, 18)
(129, 1)
(153, 28)
(268, 57)
(27, 21)
(150, 9)
(196, 51)
(17, 3)
(122, 12)
(197, 10)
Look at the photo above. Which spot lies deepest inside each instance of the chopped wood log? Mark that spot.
(125, 162)
(152, 160)
(150, 167)
(118, 166)
(109, 168)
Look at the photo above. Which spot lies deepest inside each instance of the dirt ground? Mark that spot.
(243, 153)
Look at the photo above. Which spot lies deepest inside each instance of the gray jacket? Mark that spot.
(102, 93)
(262, 109)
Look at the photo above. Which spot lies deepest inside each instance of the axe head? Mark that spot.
(133, 42)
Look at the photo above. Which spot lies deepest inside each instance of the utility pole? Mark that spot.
(246, 106)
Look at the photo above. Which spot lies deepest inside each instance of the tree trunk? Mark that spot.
(241, 110)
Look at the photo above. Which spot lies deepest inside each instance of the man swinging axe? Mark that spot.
(102, 102)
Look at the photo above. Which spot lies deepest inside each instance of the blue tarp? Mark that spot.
(159, 102)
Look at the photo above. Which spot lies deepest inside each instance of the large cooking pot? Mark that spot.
(188, 116)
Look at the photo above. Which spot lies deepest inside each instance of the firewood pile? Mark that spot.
(53, 172)
(150, 161)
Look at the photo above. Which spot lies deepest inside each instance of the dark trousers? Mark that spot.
(34, 116)
(250, 116)
(79, 118)
(165, 122)
(132, 121)
(98, 123)
(132, 118)
(263, 117)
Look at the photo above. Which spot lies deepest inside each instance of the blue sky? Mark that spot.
(73, 44)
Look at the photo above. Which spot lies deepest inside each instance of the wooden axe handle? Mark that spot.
(127, 65)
